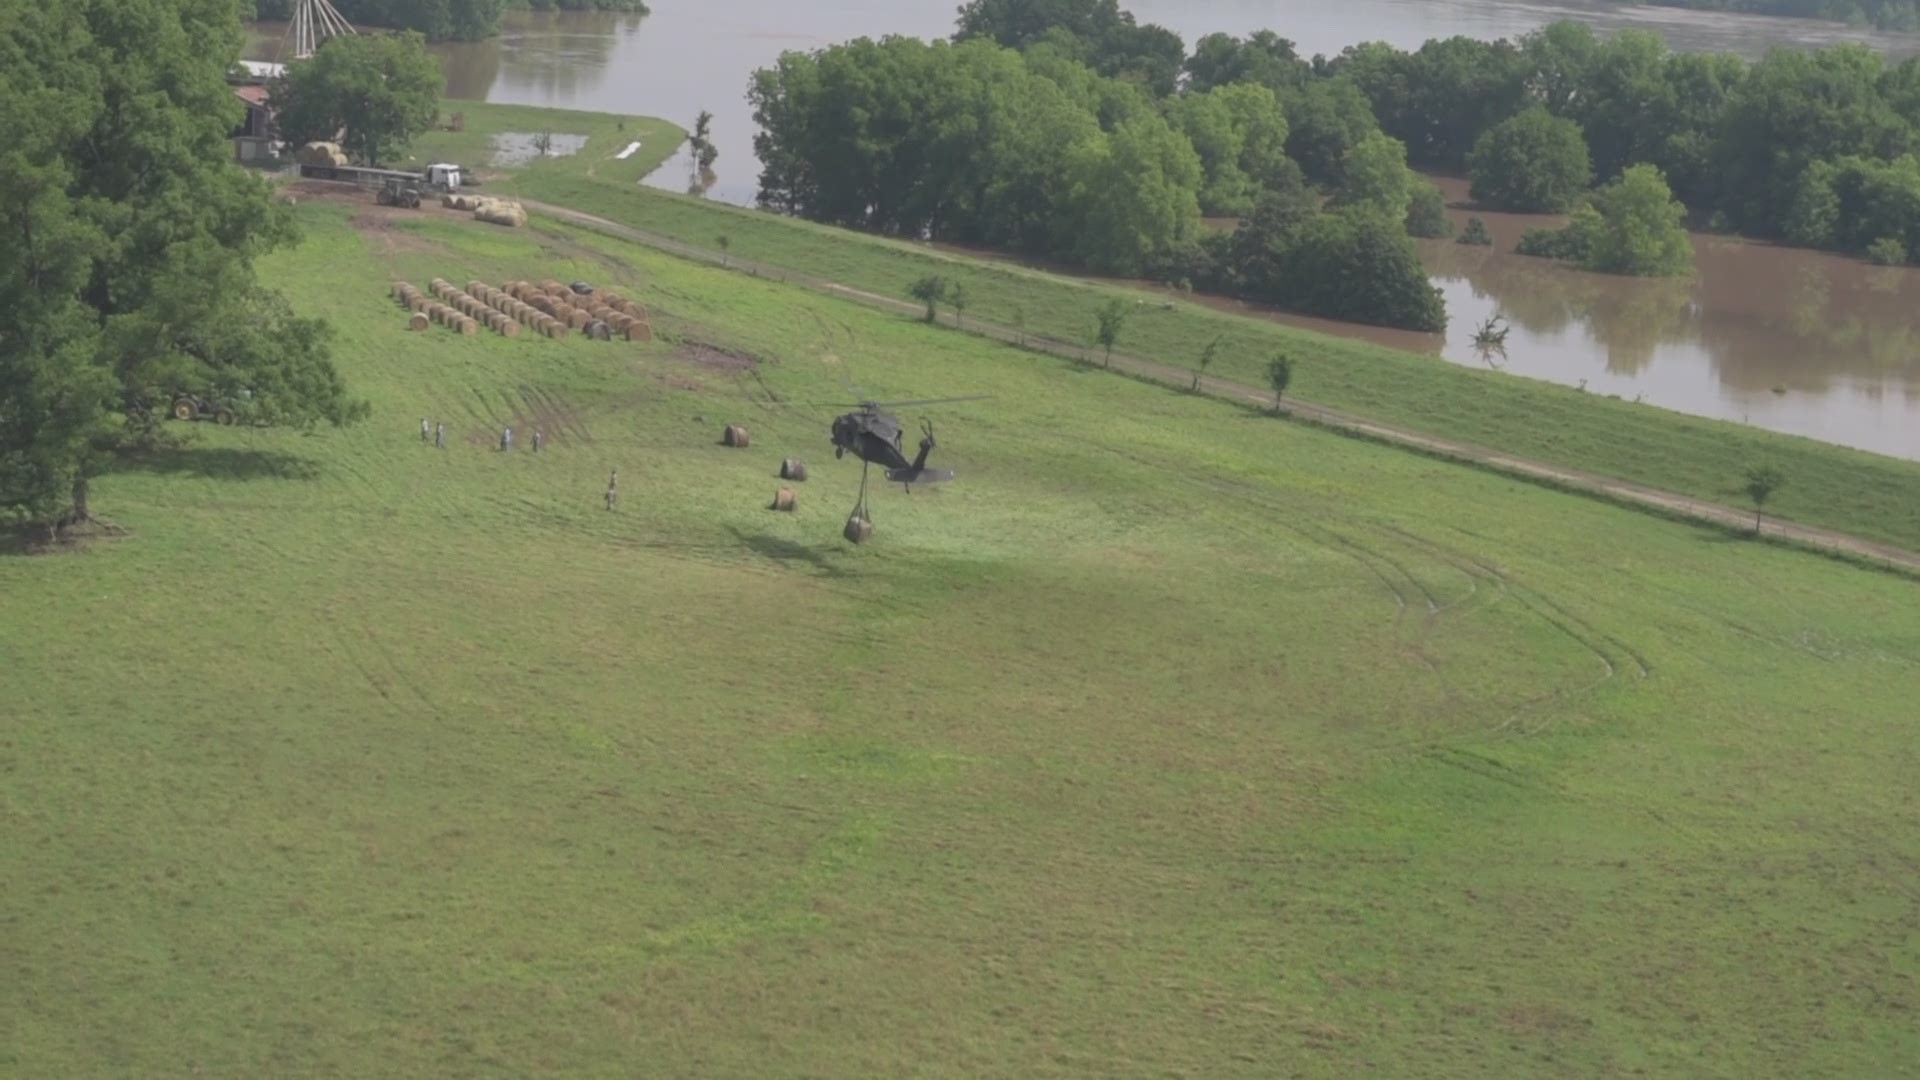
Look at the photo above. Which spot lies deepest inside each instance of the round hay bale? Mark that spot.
(559, 331)
(544, 303)
(858, 531)
(417, 321)
(639, 331)
(398, 290)
(475, 286)
(785, 500)
(563, 310)
(579, 319)
(620, 323)
(599, 331)
(509, 329)
(552, 287)
(468, 327)
(439, 283)
(736, 437)
(416, 302)
(793, 469)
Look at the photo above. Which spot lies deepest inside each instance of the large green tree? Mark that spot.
(1533, 163)
(1132, 195)
(383, 89)
(130, 239)
(1795, 108)
(1640, 229)
(1241, 137)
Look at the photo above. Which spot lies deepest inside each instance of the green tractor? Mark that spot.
(395, 191)
(194, 407)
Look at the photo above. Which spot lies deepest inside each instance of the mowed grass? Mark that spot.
(1835, 487)
(1171, 739)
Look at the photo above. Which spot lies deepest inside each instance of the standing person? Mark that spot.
(536, 440)
(423, 431)
(440, 436)
(506, 439)
(613, 490)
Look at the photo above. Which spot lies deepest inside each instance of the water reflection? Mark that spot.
(1797, 341)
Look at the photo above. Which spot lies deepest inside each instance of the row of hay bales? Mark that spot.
(510, 310)
(485, 208)
(428, 311)
(600, 315)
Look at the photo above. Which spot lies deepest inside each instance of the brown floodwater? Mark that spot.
(1800, 342)
(1793, 341)
(1803, 342)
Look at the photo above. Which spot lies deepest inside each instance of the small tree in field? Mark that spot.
(958, 298)
(1762, 482)
(725, 242)
(1279, 376)
(929, 290)
(1112, 320)
(1207, 356)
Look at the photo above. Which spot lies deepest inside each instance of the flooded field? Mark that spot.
(519, 147)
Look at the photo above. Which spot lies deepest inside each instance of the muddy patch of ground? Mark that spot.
(713, 357)
(532, 409)
(519, 147)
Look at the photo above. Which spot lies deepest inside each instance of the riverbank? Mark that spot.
(1829, 487)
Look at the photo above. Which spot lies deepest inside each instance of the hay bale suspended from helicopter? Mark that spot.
(858, 531)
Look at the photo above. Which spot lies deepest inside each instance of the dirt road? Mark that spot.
(1571, 479)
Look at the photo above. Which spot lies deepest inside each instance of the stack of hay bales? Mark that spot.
(427, 311)
(506, 212)
(624, 317)
(514, 302)
(328, 154)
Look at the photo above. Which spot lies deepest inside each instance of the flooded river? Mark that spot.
(1793, 341)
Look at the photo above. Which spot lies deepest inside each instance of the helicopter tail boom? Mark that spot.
(911, 476)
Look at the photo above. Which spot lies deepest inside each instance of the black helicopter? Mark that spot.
(876, 437)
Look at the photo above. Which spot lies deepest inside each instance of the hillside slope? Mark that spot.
(1170, 738)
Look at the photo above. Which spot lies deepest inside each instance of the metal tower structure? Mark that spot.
(314, 21)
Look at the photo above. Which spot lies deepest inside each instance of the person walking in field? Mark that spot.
(506, 439)
(440, 436)
(423, 430)
(536, 440)
(613, 490)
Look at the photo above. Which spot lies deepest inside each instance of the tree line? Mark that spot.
(438, 20)
(131, 239)
(1065, 129)
(1755, 148)
(1034, 150)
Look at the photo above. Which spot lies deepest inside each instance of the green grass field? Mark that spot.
(1834, 487)
(1173, 739)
